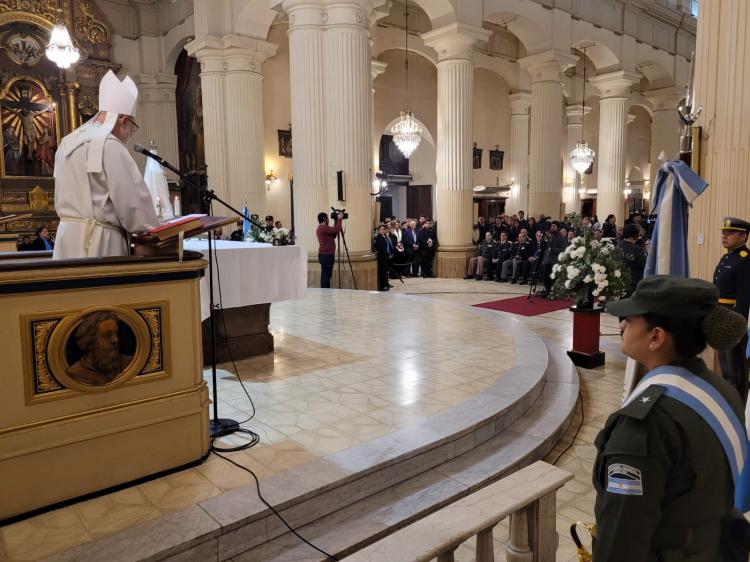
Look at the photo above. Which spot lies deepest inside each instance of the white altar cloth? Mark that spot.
(252, 273)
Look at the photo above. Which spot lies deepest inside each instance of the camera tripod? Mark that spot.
(341, 241)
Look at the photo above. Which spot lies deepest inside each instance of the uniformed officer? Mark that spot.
(732, 277)
(662, 478)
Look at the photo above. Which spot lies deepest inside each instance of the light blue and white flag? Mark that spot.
(677, 186)
(245, 221)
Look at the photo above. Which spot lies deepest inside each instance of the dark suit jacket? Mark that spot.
(38, 245)
(381, 247)
(422, 236)
(409, 238)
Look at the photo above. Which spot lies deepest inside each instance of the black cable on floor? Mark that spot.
(288, 526)
(254, 438)
(572, 441)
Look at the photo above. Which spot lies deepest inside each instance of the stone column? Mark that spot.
(454, 44)
(614, 89)
(308, 111)
(721, 74)
(575, 133)
(376, 69)
(209, 51)
(665, 126)
(520, 103)
(545, 173)
(157, 116)
(69, 92)
(243, 88)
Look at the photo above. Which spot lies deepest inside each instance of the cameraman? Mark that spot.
(327, 250)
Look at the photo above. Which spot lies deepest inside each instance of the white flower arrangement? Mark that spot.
(589, 271)
(280, 236)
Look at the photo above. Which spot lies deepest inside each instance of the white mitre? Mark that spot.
(116, 98)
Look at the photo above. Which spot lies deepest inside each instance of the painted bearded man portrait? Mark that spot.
(101, 361)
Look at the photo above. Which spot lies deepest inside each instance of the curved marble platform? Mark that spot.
(509, 414)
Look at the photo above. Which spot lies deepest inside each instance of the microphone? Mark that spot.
(143, 150)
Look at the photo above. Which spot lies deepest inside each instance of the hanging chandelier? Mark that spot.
(407, 132)
(61, 50)
(581, 157)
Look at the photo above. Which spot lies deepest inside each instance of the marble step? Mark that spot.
(513, 422)
(528, 439)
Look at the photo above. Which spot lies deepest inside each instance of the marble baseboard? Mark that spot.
(365, 273)
(453, 264)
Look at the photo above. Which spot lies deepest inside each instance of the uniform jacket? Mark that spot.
(503, 251)
(732, 277)
(487, 249)
(634, 258)
(522, 250)
(680, 484)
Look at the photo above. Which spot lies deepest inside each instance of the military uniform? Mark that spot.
(682, 486)
(732, 278)
(663, 482)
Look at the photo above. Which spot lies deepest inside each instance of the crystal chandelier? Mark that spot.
(407, 131)
(581, 157)
(61, 50)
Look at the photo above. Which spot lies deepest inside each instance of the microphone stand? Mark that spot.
(217, 426)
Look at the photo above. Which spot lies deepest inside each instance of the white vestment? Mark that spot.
(97, 210)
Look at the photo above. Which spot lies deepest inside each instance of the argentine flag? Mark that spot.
(677, 186)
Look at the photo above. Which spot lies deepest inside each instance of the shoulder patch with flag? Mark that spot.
(624, 479)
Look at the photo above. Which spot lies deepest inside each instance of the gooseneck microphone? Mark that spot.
(143, 150)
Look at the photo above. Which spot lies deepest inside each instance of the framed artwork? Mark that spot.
(94, 350)
(285, 143)
(30, 129)
(496, 158)
(477, 157)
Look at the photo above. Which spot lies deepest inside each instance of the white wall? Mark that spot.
(491, 125)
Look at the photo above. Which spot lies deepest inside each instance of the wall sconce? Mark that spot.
(627, 192)
(271, 179)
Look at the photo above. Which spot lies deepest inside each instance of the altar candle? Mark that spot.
(177, 210)
(158, 206)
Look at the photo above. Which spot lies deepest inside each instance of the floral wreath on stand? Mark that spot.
(589, 271)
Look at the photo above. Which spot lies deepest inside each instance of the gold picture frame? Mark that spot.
(4, 121)
(46, 341)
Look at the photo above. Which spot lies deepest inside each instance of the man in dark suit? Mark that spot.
(428, 243)
(411, 249)
(384, 251)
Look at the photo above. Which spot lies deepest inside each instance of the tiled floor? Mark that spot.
(293, 390)
(347, 369)
(601, 390)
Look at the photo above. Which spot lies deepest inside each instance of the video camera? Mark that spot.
(336, 212)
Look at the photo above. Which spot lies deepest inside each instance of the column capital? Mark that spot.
(664, 99)
(615, 84)
(455, 40)
(317, 13)
(377, 68)
(520, 102)
(548, 66)
(575, 113)
(233, 53)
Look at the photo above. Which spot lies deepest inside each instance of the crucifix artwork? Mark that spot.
(29, 129)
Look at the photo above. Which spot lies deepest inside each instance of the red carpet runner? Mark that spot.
(525, 307)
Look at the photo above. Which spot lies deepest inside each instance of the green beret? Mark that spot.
(670, 296)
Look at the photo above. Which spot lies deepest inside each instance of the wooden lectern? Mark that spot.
(168, 238)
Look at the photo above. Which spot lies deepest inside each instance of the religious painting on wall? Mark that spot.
(496, 158)
(477, 153)
(190, 135)
(95, 349)
(30, 129)
(285, 143)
